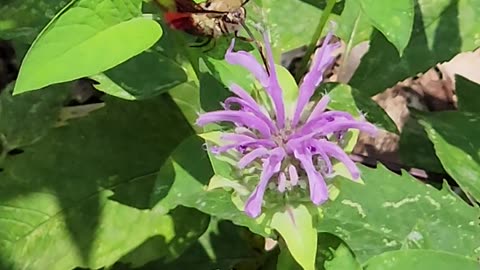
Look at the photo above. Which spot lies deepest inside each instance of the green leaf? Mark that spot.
(222, 246)
(151, 73)
(24, 19)
(391, 212)
(415, 148)
(345, 98)
(190, 170)
(420, 259)
(285, 261)
(288, 29)
(157, 249)
(435, 21)
(81, 192)
(28, 118)
(353, 25)
(455, 138)
(467, 92)
(295, 225)
(87, 39)
(393, 18)
(187, 98)
(343, 260)
(105, 84)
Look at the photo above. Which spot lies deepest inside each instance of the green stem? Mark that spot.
(316, 36)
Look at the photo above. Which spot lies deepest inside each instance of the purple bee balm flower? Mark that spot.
(286, 148)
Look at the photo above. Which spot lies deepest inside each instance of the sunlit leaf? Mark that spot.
(84, 41)
(391, 212)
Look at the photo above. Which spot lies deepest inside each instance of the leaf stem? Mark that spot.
(316, 36)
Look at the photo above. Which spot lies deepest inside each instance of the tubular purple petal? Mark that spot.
(324, 156)
(322, 59)
(317, 186)
(271, 165)
(250, 157)
(236, 117)
(321, 120)
(341, 124)
(247, 61)
(319, 108)
(336, 152)
(253, 109)
(274, 89)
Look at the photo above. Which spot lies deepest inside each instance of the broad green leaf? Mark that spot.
(467, 94)
(295, 225)
(156, 249)
(222, 246)
(435, 22)
(393, 18)
(455, 138)
(187, 98)
(85, 40)
(24, 19)
(420, 259)
(415, 148)
(105, 84)
(343, 260)
(152, 72)
(28, 118)
(345, 98)
(391, 212)
(183, 180)
(353, 25)
(285, 261)
(289, 30)
(81, 192)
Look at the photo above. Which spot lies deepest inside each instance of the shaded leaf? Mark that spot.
(435, 21)
(467, 94)
(27, 118)
(152, 72)
(222, 246)
(24, 19)
(455, 138)
(183, 180)
(415, 148)
(81, 191)
(345, 98)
